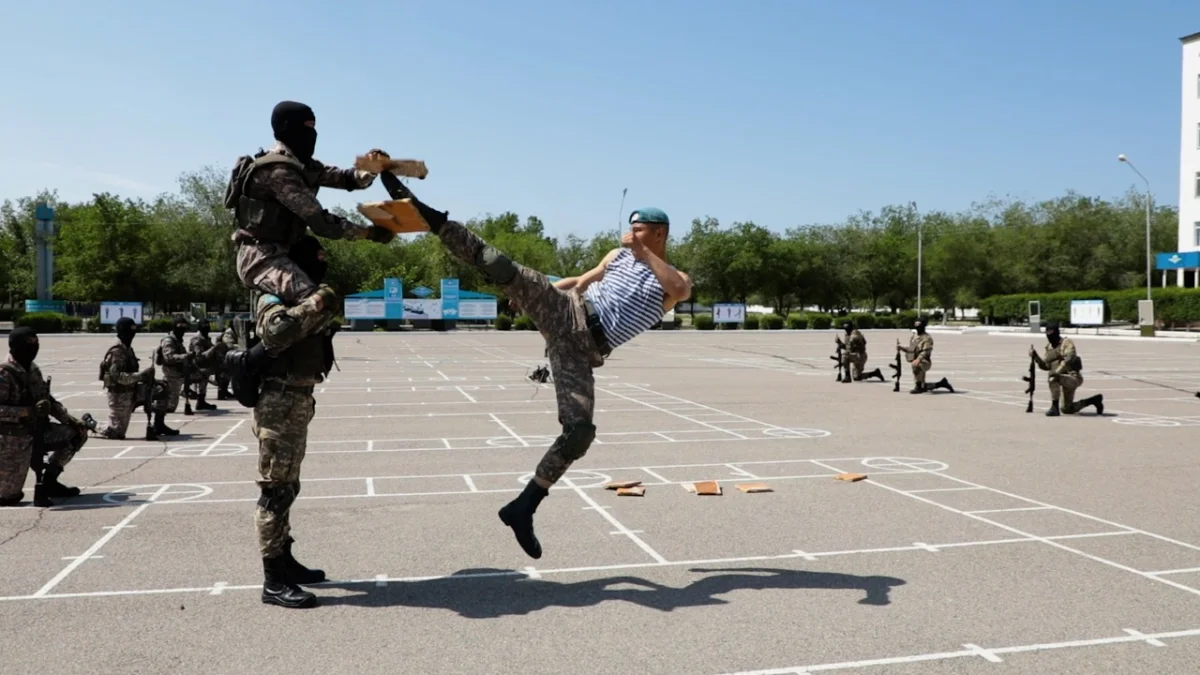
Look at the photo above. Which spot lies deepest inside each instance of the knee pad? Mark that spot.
(498, 267)
(575, 440)
(276, 498)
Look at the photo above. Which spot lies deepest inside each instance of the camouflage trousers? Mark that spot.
(923, 366)
(281, 422)
(120, 410)
(266, 268)
(16, 453)
(857, 361)
(561, 318)
(174, 387)
(1064, 385)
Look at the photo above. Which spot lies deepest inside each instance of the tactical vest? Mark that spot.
(127, 363)
(265, 220)
(308, 359)
(23, 399)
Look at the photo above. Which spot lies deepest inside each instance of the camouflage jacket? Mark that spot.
(119, 369)
(919, 346)
(1061, 360)
(20, 390)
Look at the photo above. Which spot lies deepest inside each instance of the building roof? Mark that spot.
(1190, 38)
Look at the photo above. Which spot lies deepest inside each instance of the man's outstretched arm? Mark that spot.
(291, 191)
(589, 277)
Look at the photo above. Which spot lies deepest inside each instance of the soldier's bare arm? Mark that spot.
(287, 186)
(12, 414)
(589, 277)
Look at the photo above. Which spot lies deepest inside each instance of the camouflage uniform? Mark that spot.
(204, 355)
(227, 342)
(20, 390)
(1065, 376)
(121, 377)
(284, 409)
(920, 349)
(174, 359)
(276, 204)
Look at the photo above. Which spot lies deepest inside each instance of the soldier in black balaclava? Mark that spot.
(920, 356)
(122, 379)
(856, 353)
(25, 402)
(1066, 374)
(175, 362)
(203, 354)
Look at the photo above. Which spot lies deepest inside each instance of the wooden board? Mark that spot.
(754, 487)
(618, 484)
(408, 168)
(852, 477)
(708, 487)
(397, 215)
(636, 491)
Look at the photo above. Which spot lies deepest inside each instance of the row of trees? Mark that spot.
(176, 249)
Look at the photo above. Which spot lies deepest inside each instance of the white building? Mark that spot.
(1186, 261)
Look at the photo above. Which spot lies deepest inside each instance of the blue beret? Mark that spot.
(649, 215)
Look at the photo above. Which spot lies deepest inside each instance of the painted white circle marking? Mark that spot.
(207, 450)
(582, 479)
(1148, 422)
(795, 433)
(904, 464)
(180, 492)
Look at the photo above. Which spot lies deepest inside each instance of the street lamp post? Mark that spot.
(1123, 158)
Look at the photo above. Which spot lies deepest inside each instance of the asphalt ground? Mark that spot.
(983, 540)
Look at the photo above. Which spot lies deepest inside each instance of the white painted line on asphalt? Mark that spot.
(616, 523)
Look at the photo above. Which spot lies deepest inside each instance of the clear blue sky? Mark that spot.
(783, 112)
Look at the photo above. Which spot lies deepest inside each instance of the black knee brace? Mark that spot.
(575, 439)
(277, 497)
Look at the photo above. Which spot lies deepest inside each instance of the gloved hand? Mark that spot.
(42, 408)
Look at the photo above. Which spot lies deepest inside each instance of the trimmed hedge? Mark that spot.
(752, 321)
(796, 322)
(771, 322)
(524, 322)
(1171, 305)
(702, 322)
(504, 322)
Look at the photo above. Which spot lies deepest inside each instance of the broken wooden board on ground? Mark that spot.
(852, 477)
(408, 168)
(635, 491)
(618, 484)
(397, 215)
(707, 487)
(755, 487)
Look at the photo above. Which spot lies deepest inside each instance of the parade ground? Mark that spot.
(982, 540)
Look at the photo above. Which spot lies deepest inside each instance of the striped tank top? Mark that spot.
(628, 300)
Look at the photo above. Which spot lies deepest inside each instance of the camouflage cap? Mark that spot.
(649, 214)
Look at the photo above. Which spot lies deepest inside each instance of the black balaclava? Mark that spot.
(848, 326)
(203, 327)
(1052, 334)
(126, 329)
(309, 256)
(288, 120)
(919, 324)
(179, 327)
(23, 345)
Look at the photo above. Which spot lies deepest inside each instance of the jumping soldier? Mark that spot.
(582, 320)
(120, 374)
(274, 198)
(855, 353)
(920, 354)
(24, 400)
(1066, 374)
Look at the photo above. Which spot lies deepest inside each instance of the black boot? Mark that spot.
(245, 372)
(1097, 400)
(55, 488)
(12, 501)
(201, 404)
(297, 573)
(919, 388)
(1053, 411)
(873, 373)
(223, 392)
(41, 496)
(151, 434)
(278, 589)
(943, 384)
(160, 426)
(518, 514)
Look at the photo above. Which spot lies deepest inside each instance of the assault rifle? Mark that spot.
(38, 459)
(1031, 378)
(187, 372)
(838, 359)
(896, 367)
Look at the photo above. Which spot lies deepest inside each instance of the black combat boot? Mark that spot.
(12, 501)
(55, 488)
(919, 388)
(160, 426)
(223, 392)
(1053, 411)
(89, 422)
(873, 373)
(518, 514)
(245, 368)
(1097, 401)
(943, 384)
(278, 589)
(297, 573)
(201, 404)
